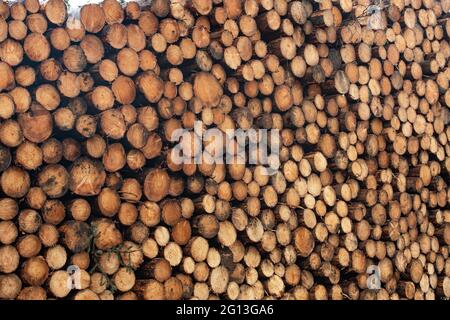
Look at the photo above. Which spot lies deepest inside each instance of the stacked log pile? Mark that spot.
(88, 107)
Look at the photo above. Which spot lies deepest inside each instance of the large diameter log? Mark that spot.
(86, 177)
(151, 86)
(37, 124)
(156, 184)
(54, 180)
(304, 241)
(92, 17)
(207, 88)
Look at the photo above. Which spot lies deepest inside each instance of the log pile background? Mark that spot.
(88, 105)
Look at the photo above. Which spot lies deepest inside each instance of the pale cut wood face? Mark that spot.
(74, 6)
